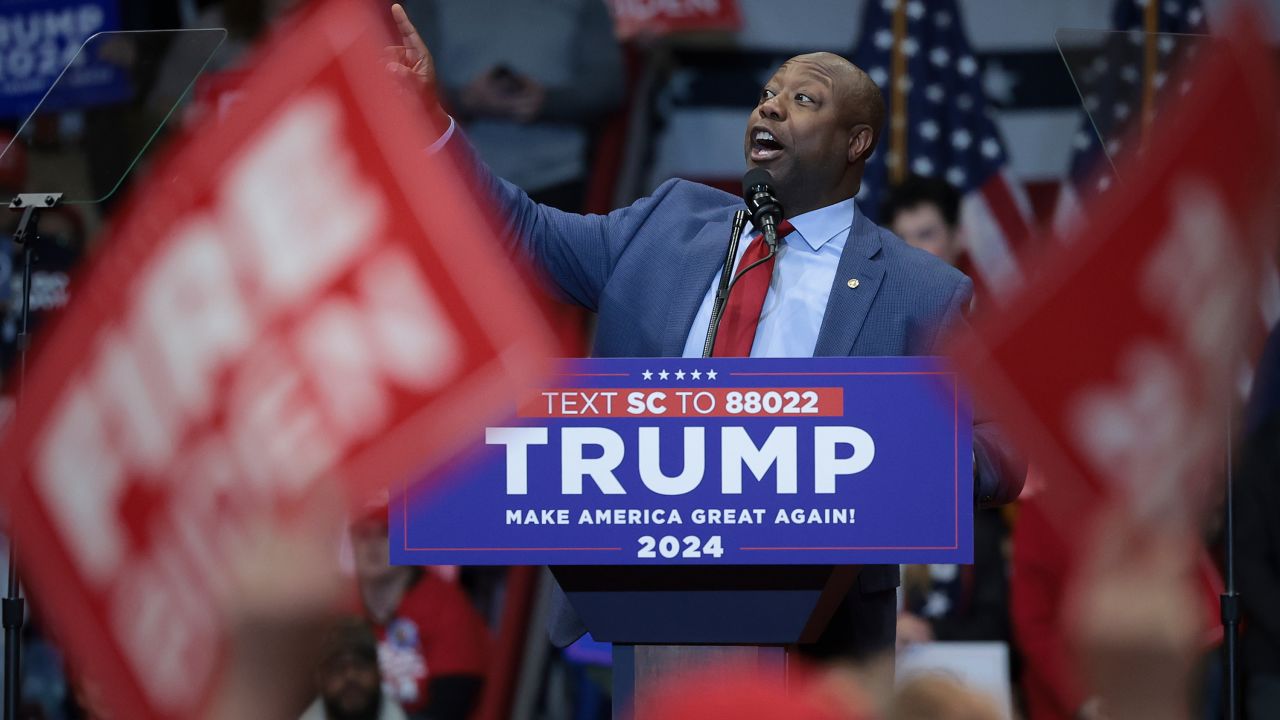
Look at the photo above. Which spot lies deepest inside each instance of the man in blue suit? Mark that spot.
(841, 285)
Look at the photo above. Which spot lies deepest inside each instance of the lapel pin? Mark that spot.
(853, 283)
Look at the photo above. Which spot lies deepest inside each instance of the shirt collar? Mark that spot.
(818, 227)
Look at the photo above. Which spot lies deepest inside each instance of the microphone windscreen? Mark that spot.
(755, 177)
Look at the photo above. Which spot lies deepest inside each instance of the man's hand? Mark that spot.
(499, 93)
(483, 97)
(1134, 619)
(284, 589)
(411, 60)
(527, 102)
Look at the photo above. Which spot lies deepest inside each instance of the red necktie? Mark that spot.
(742, 313)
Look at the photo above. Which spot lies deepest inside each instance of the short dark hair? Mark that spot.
(349, 634)
(917, 190)
(875, 114)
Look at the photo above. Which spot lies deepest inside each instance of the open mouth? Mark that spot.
(764, 146)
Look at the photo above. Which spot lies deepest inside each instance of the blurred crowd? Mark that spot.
(545, 110)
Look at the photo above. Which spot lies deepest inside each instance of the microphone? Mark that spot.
(766, 211)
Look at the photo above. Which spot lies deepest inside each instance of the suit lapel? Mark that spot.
(847, 307)
(702, 257)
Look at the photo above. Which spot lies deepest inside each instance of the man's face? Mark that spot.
(923, 226)
(350, 687)
(800, 132)
(371, 549)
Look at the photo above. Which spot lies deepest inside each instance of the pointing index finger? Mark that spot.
(407, 30)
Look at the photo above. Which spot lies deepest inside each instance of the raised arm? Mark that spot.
(411, 60)
(577, 253)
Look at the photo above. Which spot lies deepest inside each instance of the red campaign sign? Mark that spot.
(301, 292)
(1115, 367)
(633, 18)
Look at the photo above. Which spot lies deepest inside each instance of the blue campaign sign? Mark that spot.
(38, 38)
(709, 461)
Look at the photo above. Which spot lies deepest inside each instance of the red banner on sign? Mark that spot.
(633, 18)
(1116, 366)
(301, 295)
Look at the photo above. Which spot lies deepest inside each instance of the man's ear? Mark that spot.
(860, 137)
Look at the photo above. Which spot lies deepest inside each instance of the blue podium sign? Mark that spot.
(653, 461)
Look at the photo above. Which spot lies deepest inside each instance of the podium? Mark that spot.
(665, 620)
(703, 510)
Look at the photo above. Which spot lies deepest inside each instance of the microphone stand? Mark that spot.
(722, 294)
(12, 607)
(1229, 601)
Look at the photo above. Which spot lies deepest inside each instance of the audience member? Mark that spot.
(960, 602)
(347, 679)
(948, 602)
(432, 644)
(527, 99)
(925, 212)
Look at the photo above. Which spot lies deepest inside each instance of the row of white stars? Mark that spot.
(679, 374)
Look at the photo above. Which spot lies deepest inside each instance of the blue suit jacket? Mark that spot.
(645, 269)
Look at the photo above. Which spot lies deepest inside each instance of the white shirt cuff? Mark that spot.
(439, 143)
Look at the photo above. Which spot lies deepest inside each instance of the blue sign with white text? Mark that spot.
(38, 38)
(709, 461)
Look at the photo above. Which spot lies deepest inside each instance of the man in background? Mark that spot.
(348, 680)
(528, 81)
(949, 602)
(925, 212)
(432, 644)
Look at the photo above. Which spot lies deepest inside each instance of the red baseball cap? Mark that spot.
(746, 693)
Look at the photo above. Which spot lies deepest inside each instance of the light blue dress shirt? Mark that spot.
(802, 276)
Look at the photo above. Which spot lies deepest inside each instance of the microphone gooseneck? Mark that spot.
(766, 211)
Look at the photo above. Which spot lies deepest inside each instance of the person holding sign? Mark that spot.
(838, 285)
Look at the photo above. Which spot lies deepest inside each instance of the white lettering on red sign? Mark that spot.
(191, 386)
(646, 10)
(1150, 424)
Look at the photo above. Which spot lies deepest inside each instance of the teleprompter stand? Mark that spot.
(12, 607)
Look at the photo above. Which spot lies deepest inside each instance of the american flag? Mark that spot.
(949, 128)
(1110, 74)
(1109, 71)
